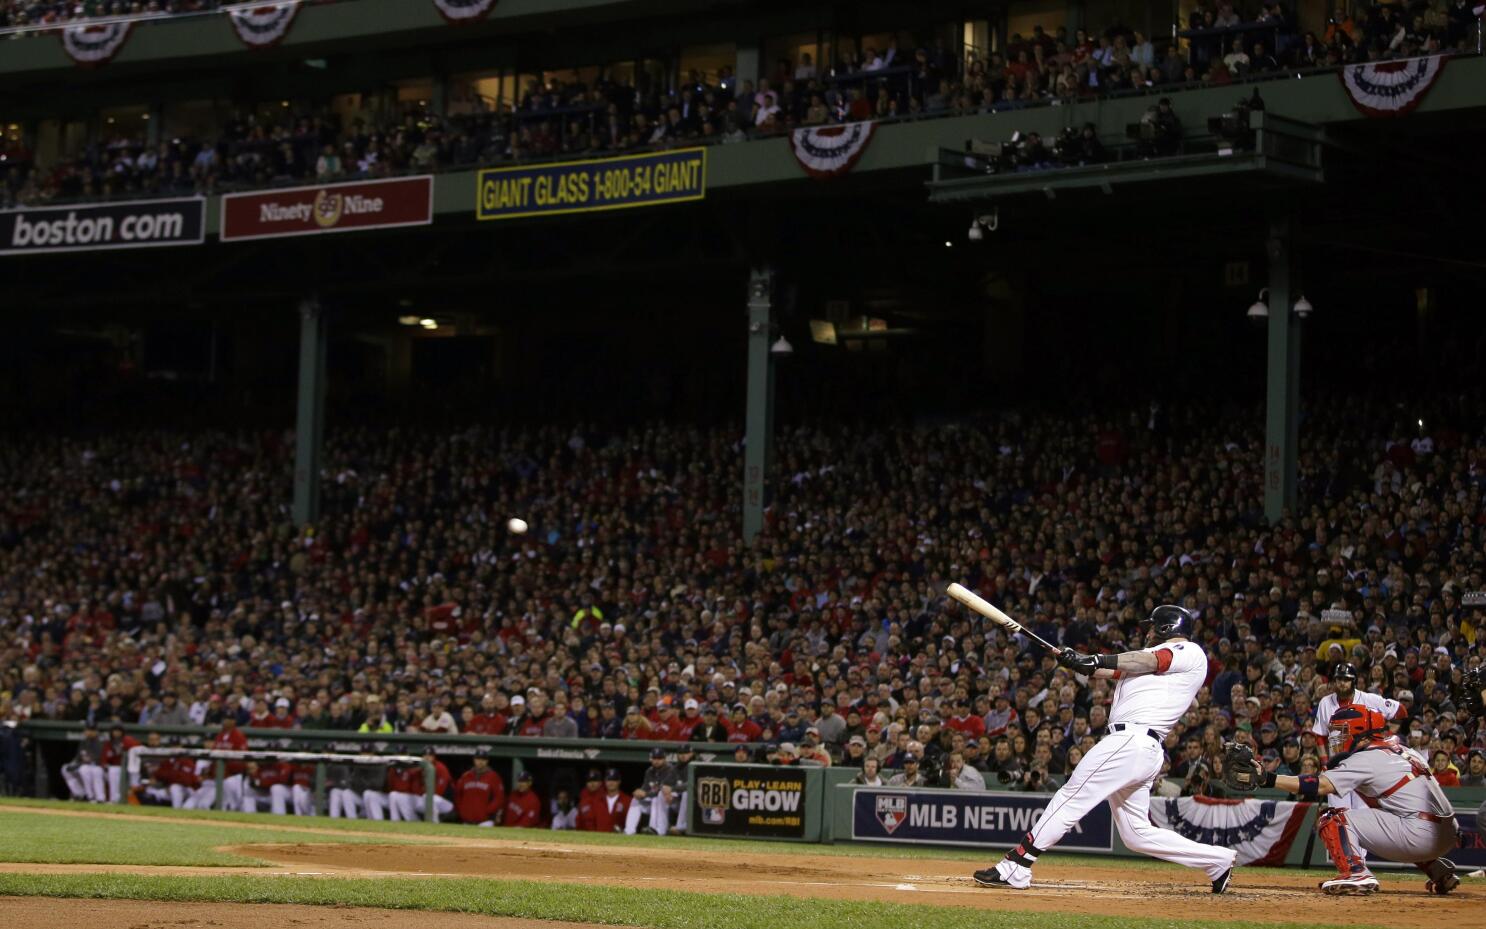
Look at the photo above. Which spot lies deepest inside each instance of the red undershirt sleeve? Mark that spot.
(1163, 660)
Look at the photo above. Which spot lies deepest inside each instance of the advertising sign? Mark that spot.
(589, 186)
(91, 227)
(748, 801)
(400, 201)
(945, 817)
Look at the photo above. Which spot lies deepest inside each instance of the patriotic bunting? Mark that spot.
(1261, 831)
(91, 46)
(1391, 88)
(830, 151)
(261, 25)
(464, 11)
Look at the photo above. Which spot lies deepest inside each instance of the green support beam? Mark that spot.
(760, 415)
(1282, 404)
(309, 430)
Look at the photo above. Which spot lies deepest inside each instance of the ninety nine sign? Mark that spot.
(587, 186)
(136, 224)
(402, 201)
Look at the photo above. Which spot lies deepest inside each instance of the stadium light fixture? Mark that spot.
(428, 323)
(1259, 309)
(976, 233)
(1303, 308)
(781, 346)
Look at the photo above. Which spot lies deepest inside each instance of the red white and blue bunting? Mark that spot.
(1391, 88)
(1261, 831)
(830, 151)
(91, 46)
(261, 25)
(464, 11)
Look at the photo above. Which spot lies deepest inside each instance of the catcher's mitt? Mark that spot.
(1241, 769)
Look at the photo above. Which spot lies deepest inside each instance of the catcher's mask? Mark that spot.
(1351, 725)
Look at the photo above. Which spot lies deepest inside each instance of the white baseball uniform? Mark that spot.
(1122, 767)
(1327, 708)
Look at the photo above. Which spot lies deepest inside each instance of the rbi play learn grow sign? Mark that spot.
(588, 186)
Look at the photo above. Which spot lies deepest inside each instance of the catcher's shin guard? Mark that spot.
(1332, 827)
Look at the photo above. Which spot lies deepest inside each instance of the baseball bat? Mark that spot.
(982, 606)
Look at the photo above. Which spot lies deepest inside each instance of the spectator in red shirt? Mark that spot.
(260, 717)
(606, 810)
(666, 728)
(282, 718)
(523, 809)
(741, 728)
(532, 716)
(964, 721)
(480, 794)
(690, 719)
(635, 725)
(491, 720)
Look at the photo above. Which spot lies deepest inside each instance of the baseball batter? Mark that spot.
(1407, 817)
(1156, 686)
(1345, 694)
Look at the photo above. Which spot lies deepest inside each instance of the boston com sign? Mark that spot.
(133, 224)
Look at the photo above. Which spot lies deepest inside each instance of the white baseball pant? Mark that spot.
(85, 782)
(418, 806)
(344, 803)
(376, 802)
(657, 807)
(401, 803)
(1119, 769)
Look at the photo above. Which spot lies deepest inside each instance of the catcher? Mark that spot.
(1410, 819)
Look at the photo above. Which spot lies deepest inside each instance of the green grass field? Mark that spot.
(365, 830)
(64, 840)
(618, 906)
(165, 837)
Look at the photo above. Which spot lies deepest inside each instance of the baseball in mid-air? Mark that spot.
(516, 525)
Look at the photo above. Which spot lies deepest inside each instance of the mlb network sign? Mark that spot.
(953, 817)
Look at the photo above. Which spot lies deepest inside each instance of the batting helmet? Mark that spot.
(1350, 724)
(1346, 671)
(1168, 621)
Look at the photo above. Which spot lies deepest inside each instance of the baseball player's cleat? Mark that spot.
(1221, 884)
(1356, 884)
(990, 877)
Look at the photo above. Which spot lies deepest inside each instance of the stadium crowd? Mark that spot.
(602, 114)
(157, 579)
(47, 12)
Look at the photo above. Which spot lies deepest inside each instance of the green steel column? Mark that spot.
(760, 415)
(309, 432)
(430, 809)
(1282, 409)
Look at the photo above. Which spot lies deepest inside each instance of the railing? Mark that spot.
(1160, 90)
